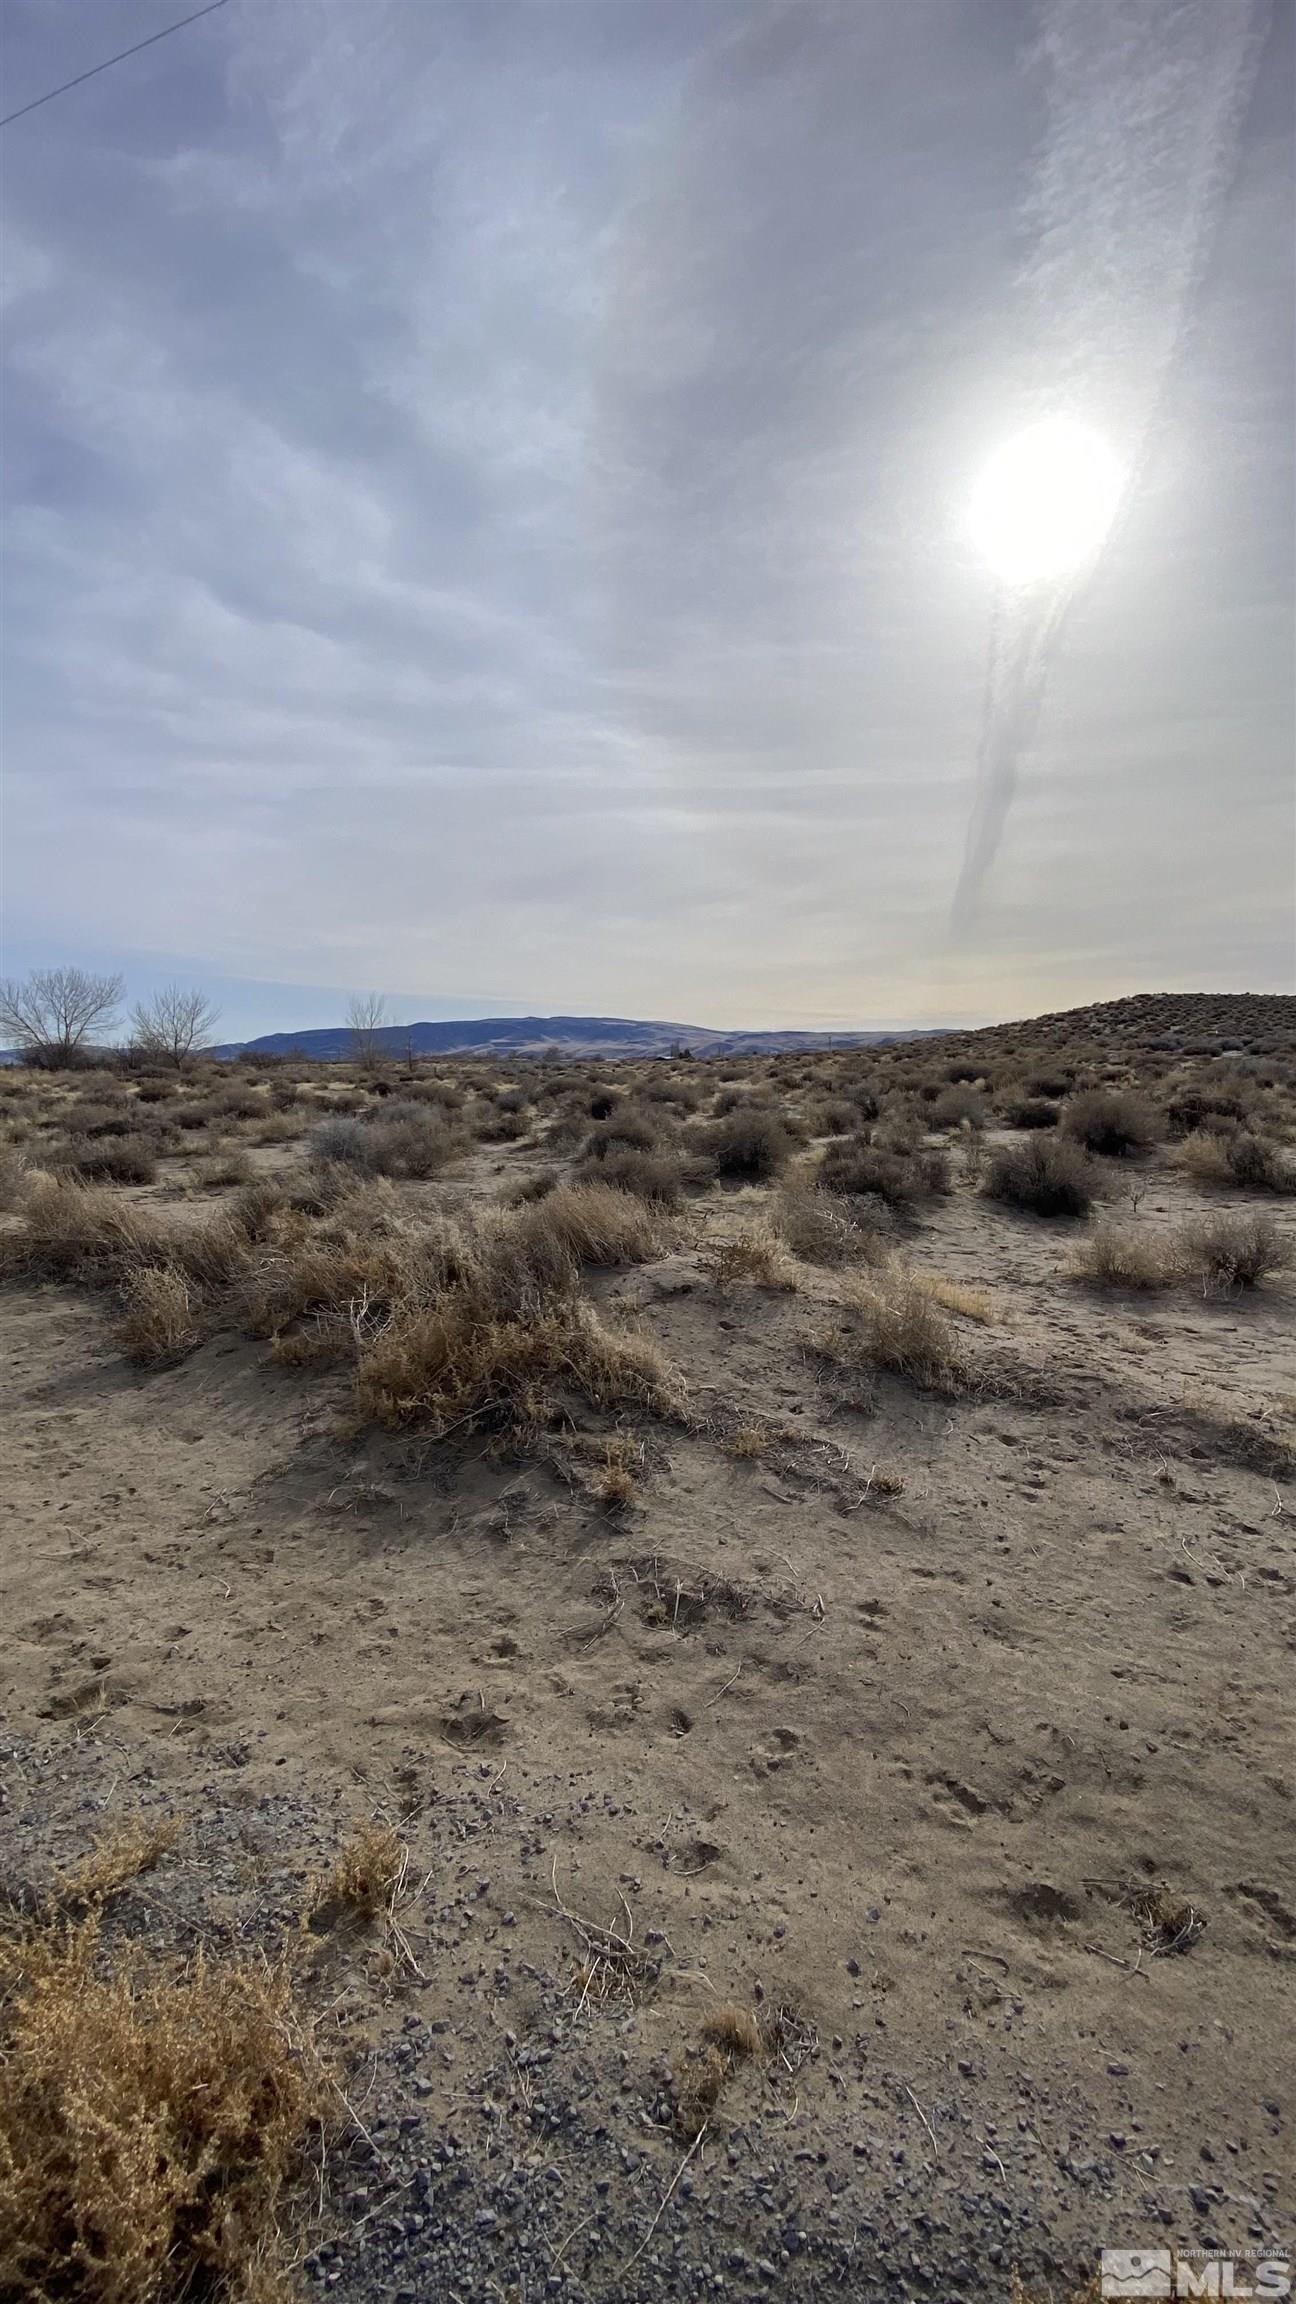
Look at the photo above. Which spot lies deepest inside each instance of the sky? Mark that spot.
(486, 502)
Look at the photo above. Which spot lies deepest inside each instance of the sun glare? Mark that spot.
(1045, 501)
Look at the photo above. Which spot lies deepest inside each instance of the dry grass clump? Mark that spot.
(1227, 1253)
(1111, 1122)
(1048, 1176)
(729, 2036)
(818, 1229)
(1124, 1256)
(75, 1232)
(121, 1854)
(733, 2029)
(1238, 1159)
(362, 1881)
(107, 1159)
(756, 1256)
(614, 1480)
(957, 1296)
(587, 1223)
(152, 2121)
(892, 1321)
(225, 1165)
(159, 1322)
(462, 1363)
(14, 1175)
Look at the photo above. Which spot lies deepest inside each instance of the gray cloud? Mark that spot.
(483, 496)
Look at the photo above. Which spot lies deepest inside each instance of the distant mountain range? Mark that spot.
(550, 1035)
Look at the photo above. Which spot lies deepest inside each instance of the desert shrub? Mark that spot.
(399, 1139)
(1198, 1107)
(340, 1138)
(1226, 1253)
(107, 1159)
(899, 1174)
(199, 1112)
(964, 1068)
(153, 2119)
(1051, 1083)
(1239, 1159)
(1048, 1175)
(833, 1116)
(408, 1142)
(954, 1106)
(891, 1321)
(1124, 1256)
(1111, 1122)
(93, 1120)
(751, 1143)
(625, 1130)
(655, 1176)
(159, 1322)
(1028, 1112)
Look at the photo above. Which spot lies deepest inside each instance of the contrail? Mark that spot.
(1144, 108)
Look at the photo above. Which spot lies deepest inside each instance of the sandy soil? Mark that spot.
(899, 1771)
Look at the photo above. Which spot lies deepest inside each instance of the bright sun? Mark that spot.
(1045, 501)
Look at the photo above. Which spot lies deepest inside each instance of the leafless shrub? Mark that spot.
(1227, 1253)
(1048, 1175)
(900, 1175)
(1240, 1160)
(1125, 1256)
(1110, 1122)
(751, 1143)
(655, 1176)
(1030, 1112)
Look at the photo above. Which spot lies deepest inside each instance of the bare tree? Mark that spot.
(366, 1021)
(174, 1023)
(54, 1012)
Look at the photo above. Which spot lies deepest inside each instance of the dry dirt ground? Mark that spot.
(953, 1738)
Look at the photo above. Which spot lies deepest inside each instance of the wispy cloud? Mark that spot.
(483, 508)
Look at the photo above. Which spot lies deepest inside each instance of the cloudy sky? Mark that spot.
(486, 491)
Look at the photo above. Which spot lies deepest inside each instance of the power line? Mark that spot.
(109, 61)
